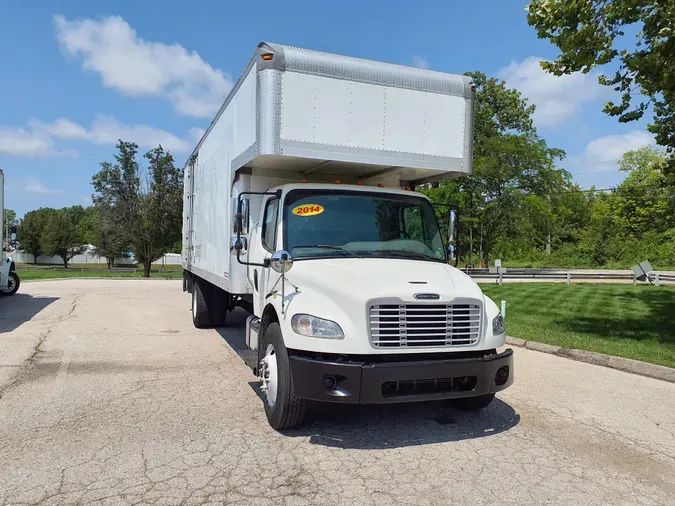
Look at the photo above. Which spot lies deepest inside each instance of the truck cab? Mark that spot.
(354, 301)
(300, 208)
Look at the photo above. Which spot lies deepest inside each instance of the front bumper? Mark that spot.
(364, 382)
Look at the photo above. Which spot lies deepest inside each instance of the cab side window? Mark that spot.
(269, 228)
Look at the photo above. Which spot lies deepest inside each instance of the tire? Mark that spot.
(472, 403)
(287, 410)
(200, 309)
(13, 283)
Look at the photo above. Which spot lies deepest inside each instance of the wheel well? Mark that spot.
(269, 316)
(12, 267)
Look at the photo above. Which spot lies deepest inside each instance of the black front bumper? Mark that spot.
(359, 381)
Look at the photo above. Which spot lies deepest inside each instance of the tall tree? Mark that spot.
(142, 208)
(10, 219)
(593, 32)
(95, 231)
(645, 202)
(31, 231)
(61, 236)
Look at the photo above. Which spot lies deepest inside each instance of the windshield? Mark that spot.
(329, 223)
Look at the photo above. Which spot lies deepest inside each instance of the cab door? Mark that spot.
(265, 244)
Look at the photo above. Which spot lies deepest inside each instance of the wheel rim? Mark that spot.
(10, 285)
(270, 377)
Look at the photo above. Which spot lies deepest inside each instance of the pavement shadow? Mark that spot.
(233, 333)
(20, 308)
(386, 425)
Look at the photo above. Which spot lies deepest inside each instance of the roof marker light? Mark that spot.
(267, 56)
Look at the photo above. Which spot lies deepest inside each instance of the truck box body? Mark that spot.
(309, 165)
(298, 114)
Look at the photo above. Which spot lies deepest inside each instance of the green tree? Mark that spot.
(593, 32)
(61, 235)
(143, 212)
(10, 219)
(31, 230)
(644, 203)
(95, 231)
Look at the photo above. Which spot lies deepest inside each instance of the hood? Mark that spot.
(371, 278)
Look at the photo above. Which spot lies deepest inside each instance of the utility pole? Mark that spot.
(548, 222)
(471, 241)
(481, 244)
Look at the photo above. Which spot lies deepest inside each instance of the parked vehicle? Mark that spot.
(300, 207)
(9, 279)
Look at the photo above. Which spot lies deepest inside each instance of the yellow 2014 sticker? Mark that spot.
(308, 210)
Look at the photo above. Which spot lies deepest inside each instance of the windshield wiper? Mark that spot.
(327, 246)
(405, 254)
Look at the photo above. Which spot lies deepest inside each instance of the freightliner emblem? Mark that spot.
(427, 296)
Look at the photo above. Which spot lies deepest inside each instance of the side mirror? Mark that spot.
(12, 231)
(453, 236)
(241, 216)
(281, 261)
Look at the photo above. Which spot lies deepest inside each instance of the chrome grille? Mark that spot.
(420, 325)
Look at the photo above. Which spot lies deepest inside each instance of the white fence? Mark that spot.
(89, 257)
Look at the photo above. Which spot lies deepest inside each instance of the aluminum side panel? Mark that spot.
(209, 205)
(373, 122)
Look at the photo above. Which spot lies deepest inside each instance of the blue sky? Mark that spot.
(78, 75)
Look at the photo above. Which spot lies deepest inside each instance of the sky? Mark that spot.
(79, 75)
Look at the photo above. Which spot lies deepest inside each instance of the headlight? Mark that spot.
(498, 325)
(311, 326)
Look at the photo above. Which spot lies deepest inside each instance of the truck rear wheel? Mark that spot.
(472, 403)
(200, 309)
(13, 283)
(283, 408)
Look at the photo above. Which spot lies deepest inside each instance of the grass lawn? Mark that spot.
(623, 320)
(155, 267)
(91, 273)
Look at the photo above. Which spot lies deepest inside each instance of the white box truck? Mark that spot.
(300, 207)
(9, 279)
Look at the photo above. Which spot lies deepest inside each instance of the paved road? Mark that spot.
(110, 396)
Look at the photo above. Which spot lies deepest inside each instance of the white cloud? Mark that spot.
(33, 185)
(108, 130)
(420, 61)
(29, 144)
(557, 98)
(603, 154)
(611, 148)
(137, 67)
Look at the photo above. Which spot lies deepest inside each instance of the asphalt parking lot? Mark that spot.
(109, 395)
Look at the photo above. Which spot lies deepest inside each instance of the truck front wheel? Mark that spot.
(13, 283)
(283, 409)
(472, 403)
